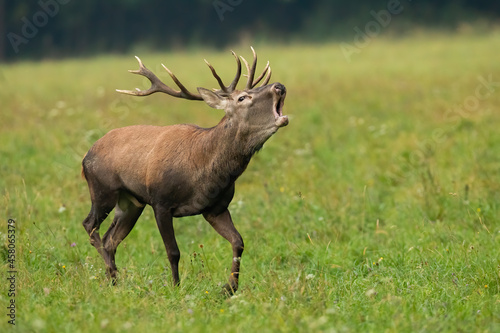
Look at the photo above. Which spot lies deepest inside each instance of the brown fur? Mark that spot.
(179, 170)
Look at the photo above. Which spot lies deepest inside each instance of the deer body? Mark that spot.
(180, 170)
(183, 166)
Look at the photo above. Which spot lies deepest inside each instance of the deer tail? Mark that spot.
(83, 171)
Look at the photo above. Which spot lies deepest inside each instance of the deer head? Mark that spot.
(255, 107)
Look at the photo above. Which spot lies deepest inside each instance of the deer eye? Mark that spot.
(241, 99)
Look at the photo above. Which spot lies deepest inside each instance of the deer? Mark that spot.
(181, 170)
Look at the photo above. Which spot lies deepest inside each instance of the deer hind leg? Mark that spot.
(223, 224)
(102, 205)
(127, 211)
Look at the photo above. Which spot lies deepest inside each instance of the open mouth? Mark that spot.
(278, 109)
(281, 120)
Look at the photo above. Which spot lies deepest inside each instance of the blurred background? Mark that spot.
(34, 30)
(376, 209)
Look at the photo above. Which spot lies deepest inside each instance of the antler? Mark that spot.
(251, 72)
(233, 84)
(158, 86)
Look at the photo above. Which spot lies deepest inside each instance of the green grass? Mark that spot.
(375, 210)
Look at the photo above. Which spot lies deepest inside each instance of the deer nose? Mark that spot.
(280, 89)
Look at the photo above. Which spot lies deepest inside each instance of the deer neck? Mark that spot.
(231, 146)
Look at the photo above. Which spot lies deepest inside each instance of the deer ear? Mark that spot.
(213, 99)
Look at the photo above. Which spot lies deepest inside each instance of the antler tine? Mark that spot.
(251, 71)
(268, 76)
(233, 84)
(248, 68)
(217, 77)
(158, 86)
(184, 93)
(261, 75)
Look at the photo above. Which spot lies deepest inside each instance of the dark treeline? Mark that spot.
(56, 28)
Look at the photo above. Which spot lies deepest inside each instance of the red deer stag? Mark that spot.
(181, 170)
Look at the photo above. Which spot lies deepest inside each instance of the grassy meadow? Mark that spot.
(375, 210)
